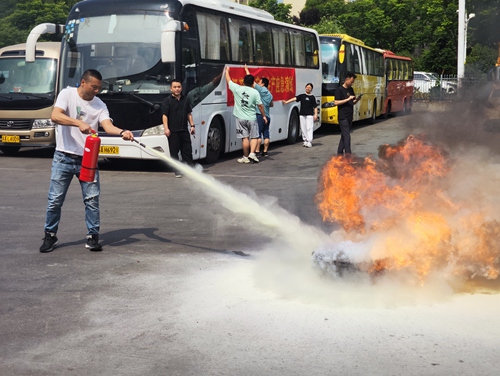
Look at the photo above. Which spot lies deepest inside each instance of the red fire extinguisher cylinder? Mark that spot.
(90, 157)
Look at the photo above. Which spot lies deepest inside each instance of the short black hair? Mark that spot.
(350, 74)
(309, 84)
(175, 80)
(91, 73)
(248, 80)
(265, 81)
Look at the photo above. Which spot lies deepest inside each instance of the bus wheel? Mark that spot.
(293, 127)
(215, 141)
(10, 150)
(371, 120)
(388, 110)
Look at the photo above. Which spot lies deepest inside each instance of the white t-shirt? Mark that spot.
(69, 139)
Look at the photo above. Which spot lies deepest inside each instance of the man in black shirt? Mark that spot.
(176, 111)
(345, 99)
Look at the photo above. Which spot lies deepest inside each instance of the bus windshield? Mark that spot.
(330, 54)
(124, 48)
(17, 76)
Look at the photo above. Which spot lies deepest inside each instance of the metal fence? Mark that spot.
(447, 87)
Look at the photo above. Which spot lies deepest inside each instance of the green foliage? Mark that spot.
(425, 30)
(481, 59)
(280, 11)
(328, 25)
(23, 15)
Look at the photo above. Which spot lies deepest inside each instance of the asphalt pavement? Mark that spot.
(213, 277)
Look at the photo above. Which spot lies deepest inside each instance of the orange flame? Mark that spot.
(401, 202)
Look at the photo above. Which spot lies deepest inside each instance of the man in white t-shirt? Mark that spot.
(77, 113)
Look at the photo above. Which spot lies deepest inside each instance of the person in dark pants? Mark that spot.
(176, 111)
(345, 99)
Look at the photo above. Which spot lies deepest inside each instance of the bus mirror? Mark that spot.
(45, 28)
(168, 41)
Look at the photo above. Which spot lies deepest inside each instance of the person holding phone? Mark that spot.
(345, 99)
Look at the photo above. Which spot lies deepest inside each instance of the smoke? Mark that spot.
(468, 124)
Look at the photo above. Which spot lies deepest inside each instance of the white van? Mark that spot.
(27, 96)
(424, 81)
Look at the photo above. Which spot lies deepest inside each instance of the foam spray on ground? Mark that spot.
(277, 221)
(286, 267)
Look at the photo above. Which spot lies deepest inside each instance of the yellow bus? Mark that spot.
(340, 54)
(27, 96)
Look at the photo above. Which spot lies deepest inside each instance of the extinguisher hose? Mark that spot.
(150, 149)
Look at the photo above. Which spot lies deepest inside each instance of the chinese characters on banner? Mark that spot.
(281, 81)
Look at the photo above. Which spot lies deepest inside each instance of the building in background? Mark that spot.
(297, 6)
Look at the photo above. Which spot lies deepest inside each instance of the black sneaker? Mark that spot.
(264, 154)
(49, 242)
(93, 243)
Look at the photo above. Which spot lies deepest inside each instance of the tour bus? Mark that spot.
(27, 96)
(140, 46)
(340, 54)
(398, 84)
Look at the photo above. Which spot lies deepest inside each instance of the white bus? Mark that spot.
(139, 46)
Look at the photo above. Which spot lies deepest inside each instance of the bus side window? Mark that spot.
(281, 46)
(349, 59)
(224, 40)
(245, 44)
(263, 44)
(312, 48)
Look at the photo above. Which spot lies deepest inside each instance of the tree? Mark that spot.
(280, 11)
(26, 14)
(328, 25)
(308, 17)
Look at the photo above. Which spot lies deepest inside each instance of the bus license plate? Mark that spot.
(11, 139)
(109, 150)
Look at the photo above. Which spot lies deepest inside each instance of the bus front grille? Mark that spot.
(15, 123)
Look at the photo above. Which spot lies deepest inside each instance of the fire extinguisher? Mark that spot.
(90, 157)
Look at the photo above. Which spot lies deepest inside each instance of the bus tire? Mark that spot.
(405, 109)
(10, 150)
(371, 120)
(215, 141)
(387, 110)
(293, 127)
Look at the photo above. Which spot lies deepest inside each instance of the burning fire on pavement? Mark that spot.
(414, 210)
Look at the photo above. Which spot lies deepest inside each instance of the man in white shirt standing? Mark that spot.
(77, 113)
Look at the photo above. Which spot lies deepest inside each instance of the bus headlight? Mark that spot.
(154, 131)
(42, 123)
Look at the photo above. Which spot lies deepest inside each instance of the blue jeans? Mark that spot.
(263, 127)
(64, 167)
